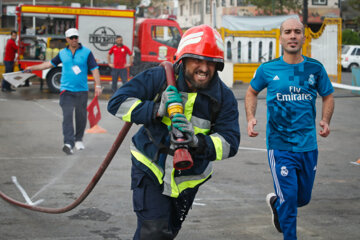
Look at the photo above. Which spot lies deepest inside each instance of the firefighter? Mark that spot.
(162, 195)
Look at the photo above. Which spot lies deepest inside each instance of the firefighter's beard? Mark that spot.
(190, 78)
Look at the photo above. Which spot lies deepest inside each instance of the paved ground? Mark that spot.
(230, 206)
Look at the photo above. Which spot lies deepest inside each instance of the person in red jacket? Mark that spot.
(9, 56)
(119, 64)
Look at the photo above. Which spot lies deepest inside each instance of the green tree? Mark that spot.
(355, 4)
(350, 37)
(276, 7)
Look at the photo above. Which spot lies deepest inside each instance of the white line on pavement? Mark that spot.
(253, 149)
(25, 195)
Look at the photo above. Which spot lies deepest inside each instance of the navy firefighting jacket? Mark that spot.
(213, 113)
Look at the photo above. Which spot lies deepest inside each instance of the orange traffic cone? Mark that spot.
(357, 162)
(96, 129)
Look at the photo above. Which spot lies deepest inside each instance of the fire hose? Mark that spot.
(170, 77)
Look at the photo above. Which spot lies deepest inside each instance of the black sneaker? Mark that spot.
(270, 200)
(68, 149)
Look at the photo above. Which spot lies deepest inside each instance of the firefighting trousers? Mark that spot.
(159, 217)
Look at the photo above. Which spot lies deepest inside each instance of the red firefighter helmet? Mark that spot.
(202, 42)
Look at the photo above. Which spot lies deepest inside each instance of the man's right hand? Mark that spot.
(251, 125)
(170, 95)
(111, 65)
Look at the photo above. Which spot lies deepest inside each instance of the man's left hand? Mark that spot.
(325, 129)
(180, 122)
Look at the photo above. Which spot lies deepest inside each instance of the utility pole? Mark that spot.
(305, 13)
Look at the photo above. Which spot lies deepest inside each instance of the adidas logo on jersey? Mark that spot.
(276, 78)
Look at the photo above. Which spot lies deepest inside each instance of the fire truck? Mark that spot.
(41, 31)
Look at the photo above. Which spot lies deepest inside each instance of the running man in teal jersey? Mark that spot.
(293, 82)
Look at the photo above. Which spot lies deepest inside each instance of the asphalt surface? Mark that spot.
(230, 206)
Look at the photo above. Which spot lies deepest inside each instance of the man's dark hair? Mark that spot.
(13, 31)
(118, 36)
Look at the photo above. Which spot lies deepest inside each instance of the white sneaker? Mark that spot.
(79, 145)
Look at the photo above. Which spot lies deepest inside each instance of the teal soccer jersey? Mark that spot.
(291, 96)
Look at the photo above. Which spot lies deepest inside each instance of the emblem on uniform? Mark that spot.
(284, 172)
(311, 79)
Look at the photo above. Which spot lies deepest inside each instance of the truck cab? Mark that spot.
(155, 41)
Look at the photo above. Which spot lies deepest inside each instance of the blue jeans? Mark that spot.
(9, 67)
(70, 101)
(293, 175)
(115, 74)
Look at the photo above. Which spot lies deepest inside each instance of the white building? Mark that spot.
(194, 12)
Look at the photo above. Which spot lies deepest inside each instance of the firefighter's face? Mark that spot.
(198, 73)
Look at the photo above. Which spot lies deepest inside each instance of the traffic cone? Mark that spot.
(96, 129)
(357, 162)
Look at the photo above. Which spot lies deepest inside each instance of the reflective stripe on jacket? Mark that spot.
(134, 102)
(173, 185)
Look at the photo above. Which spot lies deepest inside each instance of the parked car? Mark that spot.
(350, 57)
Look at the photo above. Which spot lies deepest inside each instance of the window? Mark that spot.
(240, 3)
(223, 3)
(260, 52)
(270, 50)
(181, 9)
(319, 2)
(353, 53)
(228, 53)
(249, 52)
(231, 2)
(207, 6)
(345, 49)
(358, 52)
(239, 51)
(169, 36)
(190, 7)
